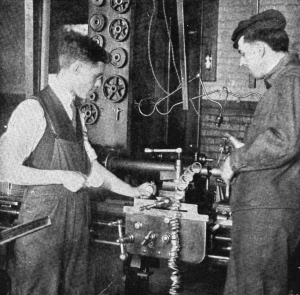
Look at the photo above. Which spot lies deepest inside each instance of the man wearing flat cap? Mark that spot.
(265, 197)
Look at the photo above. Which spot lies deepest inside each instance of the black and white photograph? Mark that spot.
(150, 147)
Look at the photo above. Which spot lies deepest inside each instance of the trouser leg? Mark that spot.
(53, 260)
(262, 243)
(36, 264)
(76, 254)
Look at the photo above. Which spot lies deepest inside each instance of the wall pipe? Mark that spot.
(29, 45)
(45, 39)
(182, 53)
(200, 85)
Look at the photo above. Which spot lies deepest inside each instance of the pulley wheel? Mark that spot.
(90, 112)
(120, 6)
(118, 57)
(97, 2)
(114, 88)
(119, 29)
(99, 39)
(97, 22)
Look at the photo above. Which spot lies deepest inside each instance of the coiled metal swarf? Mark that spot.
(185, 180)
(183, 183)
(174, 252)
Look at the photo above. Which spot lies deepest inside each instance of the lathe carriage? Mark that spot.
(186, 220)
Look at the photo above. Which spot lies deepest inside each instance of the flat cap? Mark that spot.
(268, 19)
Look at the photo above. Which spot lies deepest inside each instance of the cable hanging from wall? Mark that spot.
(206, 94)
(168, 94)
(149, 45)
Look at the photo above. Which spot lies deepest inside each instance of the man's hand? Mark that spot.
(73, 181)
(226, 171)
(145, 190)
(234, 141)
(95, 178)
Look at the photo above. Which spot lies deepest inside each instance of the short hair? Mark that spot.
(77, 47)
(278, 40)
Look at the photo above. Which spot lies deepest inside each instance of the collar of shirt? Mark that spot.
(65, 97)
(271, 76)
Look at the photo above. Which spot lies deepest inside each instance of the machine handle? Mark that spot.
(159, 204)
(122, 240)
(148, 238)
(178, 150)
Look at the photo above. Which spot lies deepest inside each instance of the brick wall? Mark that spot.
(237, 115)
(237, 118)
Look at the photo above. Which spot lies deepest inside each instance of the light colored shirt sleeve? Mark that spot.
(89, 150)
(26, 128)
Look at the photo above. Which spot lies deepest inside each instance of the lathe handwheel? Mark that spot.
(119, 29)
(99, 39)
(120, 6)
(97, 22)
(118, 57)
(114, 88)
(90, 112)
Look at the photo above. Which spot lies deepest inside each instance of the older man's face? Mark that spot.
(251, 57)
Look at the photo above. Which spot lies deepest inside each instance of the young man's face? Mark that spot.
(87, 76)
(251, 57)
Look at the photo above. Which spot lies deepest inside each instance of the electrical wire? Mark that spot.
(170, 109)
(170, 40)
(161, 100)
(206, 94)
(224, 88)
(155, 106)
(149, 49)
(139, 107)
(193, 105)
(178, 88)
(239, 97)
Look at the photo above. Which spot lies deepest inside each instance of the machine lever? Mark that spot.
(148, 238)
(163, 203)
(178, 150)
(227, 189)
(227, 192)
(122, 240)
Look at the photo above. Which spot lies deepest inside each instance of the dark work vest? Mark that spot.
(61, 147)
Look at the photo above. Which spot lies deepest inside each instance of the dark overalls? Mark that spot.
(54, 260)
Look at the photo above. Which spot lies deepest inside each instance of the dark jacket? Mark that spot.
(268, 166)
